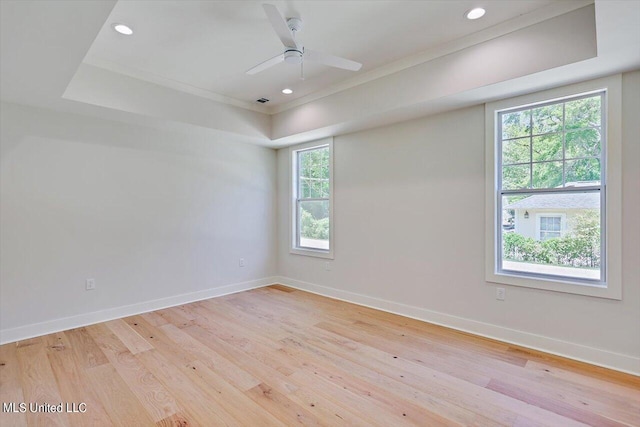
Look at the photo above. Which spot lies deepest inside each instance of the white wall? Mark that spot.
(148, 214)
(156, 214)
(410, 230)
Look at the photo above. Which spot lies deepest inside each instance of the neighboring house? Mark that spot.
(546, 216)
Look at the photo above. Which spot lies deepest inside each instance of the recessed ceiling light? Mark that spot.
(476, 13)
(123, 29)
(287, 91)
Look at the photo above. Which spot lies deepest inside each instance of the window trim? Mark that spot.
(294, 247)
(611, 285)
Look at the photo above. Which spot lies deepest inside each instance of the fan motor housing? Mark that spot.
(294, 24)
(293, 56)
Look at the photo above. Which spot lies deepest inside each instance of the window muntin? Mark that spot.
(550, 160)
(312, 189)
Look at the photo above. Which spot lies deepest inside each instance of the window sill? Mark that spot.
(312, 252)
(560, 284)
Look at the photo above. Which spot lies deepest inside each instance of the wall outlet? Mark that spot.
(500, 294)
(241, 262)
(90, 284)
(327, 266)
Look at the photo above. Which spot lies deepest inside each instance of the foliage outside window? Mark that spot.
(312, 200)
(550, 190)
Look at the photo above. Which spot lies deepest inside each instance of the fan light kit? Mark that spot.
(287, 91)
(123, 29)
(476, 13)
(294, 52)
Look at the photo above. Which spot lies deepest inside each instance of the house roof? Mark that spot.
(558, 201)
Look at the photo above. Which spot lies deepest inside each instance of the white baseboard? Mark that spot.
(592, 355)
(63, 324)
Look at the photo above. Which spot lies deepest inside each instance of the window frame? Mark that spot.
(610, 190)
(294, 220)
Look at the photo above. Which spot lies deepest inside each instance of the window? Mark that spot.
(548, 186)
(549, 227)
(312, 199)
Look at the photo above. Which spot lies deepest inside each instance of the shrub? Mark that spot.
(314, 228)
(580, 248)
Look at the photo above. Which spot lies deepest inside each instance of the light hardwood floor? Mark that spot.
(280, 357)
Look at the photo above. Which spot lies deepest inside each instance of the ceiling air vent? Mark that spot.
(262, 100)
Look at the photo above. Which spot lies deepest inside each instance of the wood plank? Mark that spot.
(259, 370)
(39, 385)
(278, 356)
(85, 349)
(175, 420)
(73, 382)
(175, 317)
(201, 408)
(153, 396)
(134, 342)
(235, 402)
(154, 318)
(282, 288)
(121, 405)
(10, 387)
(556, 406)
(370, 363)
(434, 394)
(214, 361)
(277, 404)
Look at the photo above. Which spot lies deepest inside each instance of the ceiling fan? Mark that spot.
(294, 52)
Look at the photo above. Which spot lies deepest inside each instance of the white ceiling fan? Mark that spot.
(294, 52)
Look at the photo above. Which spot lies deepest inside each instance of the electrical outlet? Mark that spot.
(241, 262)
(327, 266)
(90, 284)
(500, 294)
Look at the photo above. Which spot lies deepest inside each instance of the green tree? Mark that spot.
(313, 167)
(541, 144)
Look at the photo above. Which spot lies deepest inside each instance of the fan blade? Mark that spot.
(330, 60)
(279, 25)
(266, 64)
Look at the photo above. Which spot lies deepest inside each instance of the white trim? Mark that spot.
(65, 323)
(595, 356)
(293, 244)
(613, 183)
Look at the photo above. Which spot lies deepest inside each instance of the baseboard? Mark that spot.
(63, 324)
(591, 355)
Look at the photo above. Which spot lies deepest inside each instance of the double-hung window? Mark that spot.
(549, 194)
(312, 190)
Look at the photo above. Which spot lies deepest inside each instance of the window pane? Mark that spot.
(313, 166)
(553, 234)
(305, 191)
(583, 170)
(516, 124)
(583, 143)
(547, 175)
(547, 119)
(516, 151)
(514, 177)
(583, 113)
(314, 224)
(547, 147)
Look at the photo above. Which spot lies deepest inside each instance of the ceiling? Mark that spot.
(184, 67)
(208, 45)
